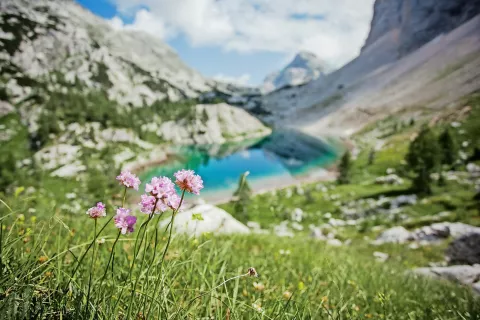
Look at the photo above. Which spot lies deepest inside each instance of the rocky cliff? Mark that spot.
(400, 69)
(417, 22)
(58, 43)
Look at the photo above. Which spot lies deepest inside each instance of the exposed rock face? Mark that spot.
(417, 22)
(60, 43)
(465, 249)
(393, 235)
(384, 79)
(466, 275)
(213, 124)
(215, 220)
(433, 233)
(305, 67)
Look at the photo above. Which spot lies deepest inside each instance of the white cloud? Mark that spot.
(144, 21)
(260, 25)
(241, 80)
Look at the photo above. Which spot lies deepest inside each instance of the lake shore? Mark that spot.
(268, 184)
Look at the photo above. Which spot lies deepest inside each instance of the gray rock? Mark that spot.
(334, 242)
(418, 22)
(467, 275)
(465, 249)
(215, 220)
(393, 235)
(380, 256)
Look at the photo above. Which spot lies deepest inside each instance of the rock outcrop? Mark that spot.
(466, 275)
(464, 249)
(205, 218)
(213, 124)
(62, 44)
(405, 63)
(417, 22)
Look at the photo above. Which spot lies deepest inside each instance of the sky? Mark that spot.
(243, 41)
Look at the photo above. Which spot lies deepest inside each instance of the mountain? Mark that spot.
(418, 56)
(305, 67)
(60, 43)
(78, 95)
(417, 22)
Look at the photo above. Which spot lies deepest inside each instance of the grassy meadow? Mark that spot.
(57, 263)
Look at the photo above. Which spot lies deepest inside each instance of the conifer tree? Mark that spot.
(423, 158)
(449, 146)
(243, 194)
(344, 168)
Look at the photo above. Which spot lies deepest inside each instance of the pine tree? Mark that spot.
(344, 168)
(371, 157)
(243, 194)
(423, 158)
(449, 146)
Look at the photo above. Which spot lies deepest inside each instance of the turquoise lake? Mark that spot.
(276, 160)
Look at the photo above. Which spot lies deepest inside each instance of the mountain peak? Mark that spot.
(304, 67)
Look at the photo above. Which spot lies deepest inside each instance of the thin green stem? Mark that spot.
(110, 258)
(174, 213)
(91, 268)
(209, 291)
(85, 253)
(124, 197)
(136, 252)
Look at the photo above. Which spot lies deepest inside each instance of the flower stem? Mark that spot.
(110, 258)
(124, 196)
(136, 252)
(209, 291)
(174, 213)
(85, 253)
(91, 268)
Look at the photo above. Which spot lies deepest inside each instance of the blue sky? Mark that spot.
(244, 40)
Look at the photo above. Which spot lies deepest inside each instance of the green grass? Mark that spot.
(44, 234)
(330, 283)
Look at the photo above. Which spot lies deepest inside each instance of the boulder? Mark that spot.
(393, 235)
(215, 220)
(467, 275)
(380, 256)
(465, 249)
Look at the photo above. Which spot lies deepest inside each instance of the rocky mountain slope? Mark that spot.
(305, 67)
(387, 76)
(73, 89)
(59, 43)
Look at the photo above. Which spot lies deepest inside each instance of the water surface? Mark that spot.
(282, 158)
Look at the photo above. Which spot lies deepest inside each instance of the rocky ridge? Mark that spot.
(407, 62)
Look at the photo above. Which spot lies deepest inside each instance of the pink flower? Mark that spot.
(161, 187)
(187, 180)
(147, 204)
(97, 211)
(129, 180)
(173, 201)
(124, 221)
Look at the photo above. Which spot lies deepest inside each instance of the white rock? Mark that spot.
(282, 230)
(215, 220)
(334, 242)
(393, 235)
(336, 222)
(297, 215)
(380, 256)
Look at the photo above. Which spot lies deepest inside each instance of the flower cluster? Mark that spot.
(97, 211)
(124, 221)
(129, 180)
(187, 180)
(161, 196)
